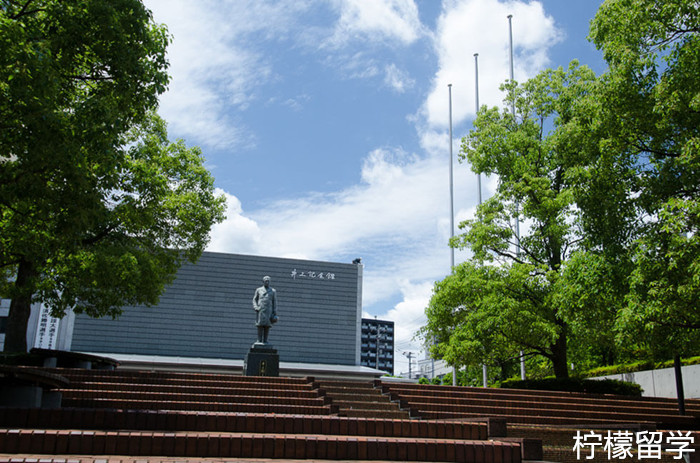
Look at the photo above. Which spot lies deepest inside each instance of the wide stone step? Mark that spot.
(362, 387)
(238, 445)
(523, 395)
(141, 420)
(244, 390)
(86, 395)
(358, 397)
(125, 404)
(553, 403)
(78, 377)
(531, 419)
(351, 390)
(362, 405)
(456, 410)
(368, 413)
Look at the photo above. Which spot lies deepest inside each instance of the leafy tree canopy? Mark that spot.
(536, 152)
(605, 173)
(483, 314)
(97, 207)
(653, 112)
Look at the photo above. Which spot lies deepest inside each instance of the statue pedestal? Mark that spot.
(262, 360)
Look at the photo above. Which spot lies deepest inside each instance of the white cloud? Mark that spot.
(218, 61)
(395, 186)
(237, 231)
(397, 79)
(481, 26)
(217, 65)
(363, 28)
(411, 310)
(392, 21)
(397, 212)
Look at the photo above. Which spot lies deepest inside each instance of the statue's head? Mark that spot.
(266, 281)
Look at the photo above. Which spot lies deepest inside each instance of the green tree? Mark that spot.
(459, 328)
(476, 317)
(665, 283)
(536, 154)
(97, 207)
(590, 293)
(652, 91)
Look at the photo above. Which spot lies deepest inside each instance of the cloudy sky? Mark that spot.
(325, 123)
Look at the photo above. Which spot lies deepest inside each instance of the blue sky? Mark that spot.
(325, 123)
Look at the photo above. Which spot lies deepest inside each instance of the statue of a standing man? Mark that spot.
(265, 305)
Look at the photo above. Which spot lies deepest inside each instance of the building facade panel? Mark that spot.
(208, 312)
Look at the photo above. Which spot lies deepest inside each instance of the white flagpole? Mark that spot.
(484, 368)
(452, 206)
(452, 213)
(517, 214)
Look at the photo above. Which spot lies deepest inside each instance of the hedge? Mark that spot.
(637, 366)
(591, 386)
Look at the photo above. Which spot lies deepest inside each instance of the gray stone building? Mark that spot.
(207, 312)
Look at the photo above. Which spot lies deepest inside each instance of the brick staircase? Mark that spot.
(541, 407)
(185, 391)
(153, 417)
(361, 399)
(553, 417)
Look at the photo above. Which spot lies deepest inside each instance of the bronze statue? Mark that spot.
(265, 305)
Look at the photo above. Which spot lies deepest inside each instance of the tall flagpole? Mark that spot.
(452, 213)
(484, 368)
(517, 209)
(452, 206)
(512, 110)
(476, 79)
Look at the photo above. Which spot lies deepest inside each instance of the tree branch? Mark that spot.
(507, 255)
(661, 154)
(89, 78)
(10, 262)
(569, 244)
(25, 12)
(538, 349)
(528, 294)
(685, 325)
(99, 235)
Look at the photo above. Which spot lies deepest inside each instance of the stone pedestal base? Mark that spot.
(262, 360)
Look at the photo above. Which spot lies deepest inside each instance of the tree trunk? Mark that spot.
(20, 309)
(559, 354)
(679, 384)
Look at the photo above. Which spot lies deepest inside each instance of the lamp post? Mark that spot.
(410, 356)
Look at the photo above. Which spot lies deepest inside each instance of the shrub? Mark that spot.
(591, 386)
(637, 366)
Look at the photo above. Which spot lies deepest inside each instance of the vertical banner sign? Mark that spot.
(47, 330)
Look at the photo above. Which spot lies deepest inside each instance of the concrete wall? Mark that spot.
(662, 383)
(208, 312)
(4, 312)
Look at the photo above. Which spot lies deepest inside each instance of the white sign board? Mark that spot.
(47, 330)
